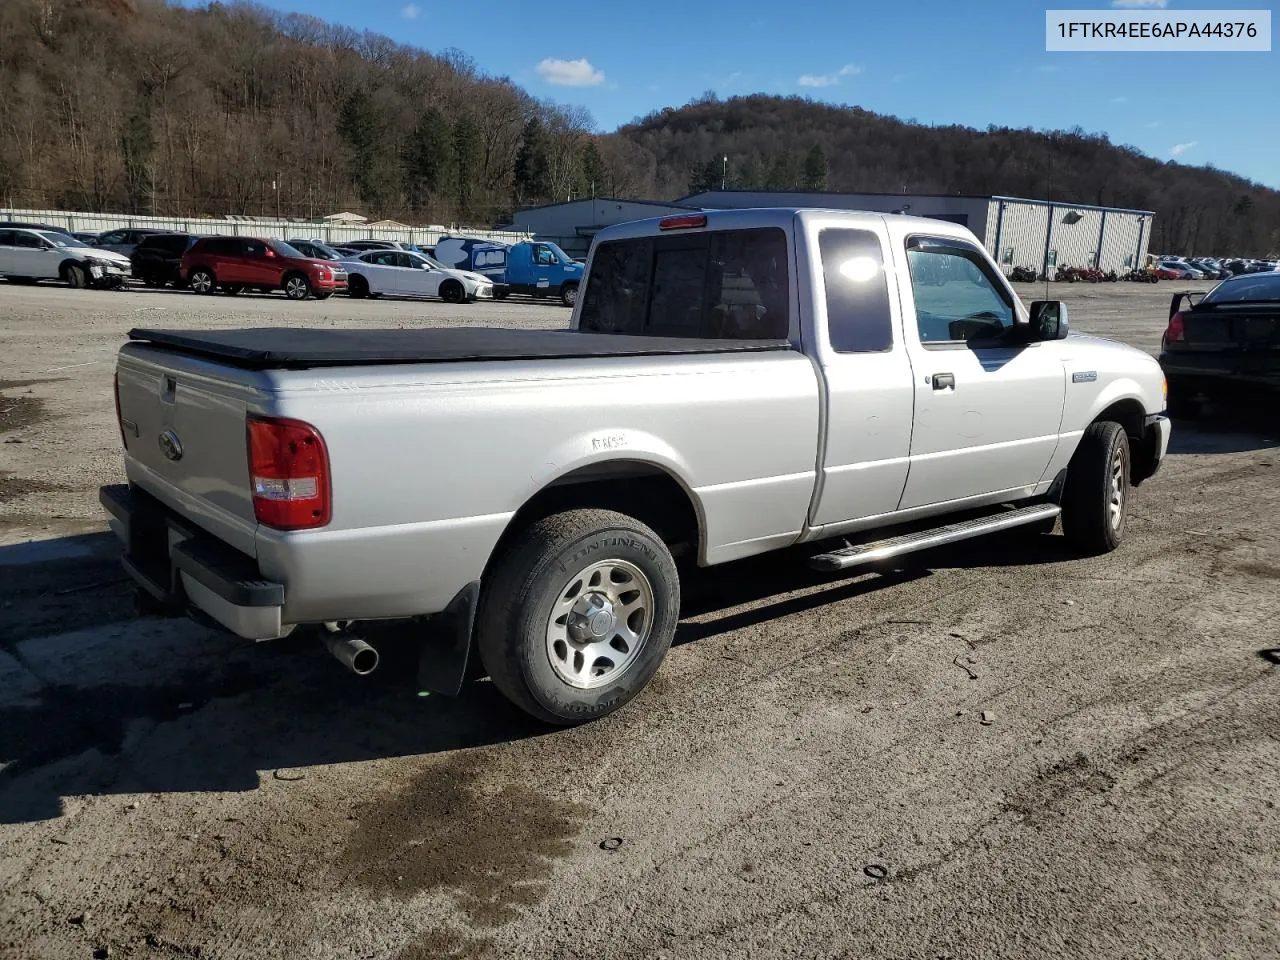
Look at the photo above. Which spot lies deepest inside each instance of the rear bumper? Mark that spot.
(1223, 368)
(182, 565)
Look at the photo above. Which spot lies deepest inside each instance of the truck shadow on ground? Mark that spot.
(1226, 428)
(96, 701)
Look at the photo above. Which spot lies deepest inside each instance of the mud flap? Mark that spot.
(442, 666)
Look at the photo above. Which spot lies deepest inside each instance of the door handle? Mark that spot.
(943, 380)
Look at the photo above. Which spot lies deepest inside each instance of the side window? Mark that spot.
(542, 256)
(254, 248)
(405, 260)
(956, 297)
(28, 240)
(6, 238)
(858, 315)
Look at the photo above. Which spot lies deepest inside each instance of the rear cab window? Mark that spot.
(726, 284)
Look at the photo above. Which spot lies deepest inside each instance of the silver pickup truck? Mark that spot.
(733, 383)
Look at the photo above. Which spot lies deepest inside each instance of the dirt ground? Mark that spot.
(994, 751)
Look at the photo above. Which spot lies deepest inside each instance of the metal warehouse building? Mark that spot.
(1018, 232)
(572, 224)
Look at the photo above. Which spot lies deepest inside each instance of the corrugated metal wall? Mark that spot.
(1076, 244)
(1021, 237)
(1120, 242)
(279, 229)
(1021, 230)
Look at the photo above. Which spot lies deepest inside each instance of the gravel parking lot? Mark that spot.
(996, 750)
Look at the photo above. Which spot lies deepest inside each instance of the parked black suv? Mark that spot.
(157, 258)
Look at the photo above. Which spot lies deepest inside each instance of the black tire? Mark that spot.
(501, 296)
(537, 568)
(569, 294)
(1099, 469)
(451, 291)
(76, 276)
(202, 281)
(297, 287)
(232, 289)
(357, 287)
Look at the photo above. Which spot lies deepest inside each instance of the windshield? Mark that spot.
(1246, 289)
(60, 239)
(322, 251)
(282, 248)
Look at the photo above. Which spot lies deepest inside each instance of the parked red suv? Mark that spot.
(232, 264)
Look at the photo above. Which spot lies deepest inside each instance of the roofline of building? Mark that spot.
(941, 196)
(565, 203)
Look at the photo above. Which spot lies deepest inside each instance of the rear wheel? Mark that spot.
(569, 294)
(577, 614)
(297, 287)
(451, 291)
(201, 281)
(357, 287)
(75, 275)
(1095, 503)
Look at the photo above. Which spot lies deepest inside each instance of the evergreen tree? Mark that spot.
(466, 158)
(531, 162)
(428, 159)
(815, 169)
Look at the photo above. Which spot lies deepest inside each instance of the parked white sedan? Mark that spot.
(400, 273)
(28, 255)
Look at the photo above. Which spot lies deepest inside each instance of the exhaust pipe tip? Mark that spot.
(352, 652)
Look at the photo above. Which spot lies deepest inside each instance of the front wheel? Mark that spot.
(76, 276)
(1095, 503)
(569, 294)
(357, 287)
(297, 287)
(577, 614)
(451, 291)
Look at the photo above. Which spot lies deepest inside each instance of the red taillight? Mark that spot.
(1175, 330)
(684, 222)
(115, 386)
(289, 471)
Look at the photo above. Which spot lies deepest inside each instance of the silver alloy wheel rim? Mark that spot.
(296, 288)
(1116, 505)
(571, 296)
(599, 623)
(201, 283)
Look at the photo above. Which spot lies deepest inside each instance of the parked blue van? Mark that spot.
(532, 267)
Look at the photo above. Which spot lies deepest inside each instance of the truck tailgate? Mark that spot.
(183, 421)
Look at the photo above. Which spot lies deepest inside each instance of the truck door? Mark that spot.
(987, 409)
(866, 370)
(546, 267)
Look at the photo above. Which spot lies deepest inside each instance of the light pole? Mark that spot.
(724, 173)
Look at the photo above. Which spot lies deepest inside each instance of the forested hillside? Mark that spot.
(141, 106)
(783, 143)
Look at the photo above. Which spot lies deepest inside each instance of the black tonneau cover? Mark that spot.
(268, 348)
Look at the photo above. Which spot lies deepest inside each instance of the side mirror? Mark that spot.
(1048, 320)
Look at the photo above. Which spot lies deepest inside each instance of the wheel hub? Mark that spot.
(592, 618)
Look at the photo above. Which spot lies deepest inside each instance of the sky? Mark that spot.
(974, 63)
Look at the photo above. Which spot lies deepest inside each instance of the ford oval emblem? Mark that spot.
(170, 445)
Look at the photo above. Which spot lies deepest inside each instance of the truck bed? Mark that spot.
(295, 348)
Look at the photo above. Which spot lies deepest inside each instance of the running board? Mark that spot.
(938, 536)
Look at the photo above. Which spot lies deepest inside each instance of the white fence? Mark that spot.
(254, 227)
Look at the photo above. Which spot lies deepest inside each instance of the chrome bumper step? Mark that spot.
(936, 537)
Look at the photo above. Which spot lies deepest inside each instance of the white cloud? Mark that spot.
(1153, 124)
(570, 73)
(410, 11)
(1119, 99)
(1178, 149)
(737, 74)
(829, 79)
(1140, 4)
